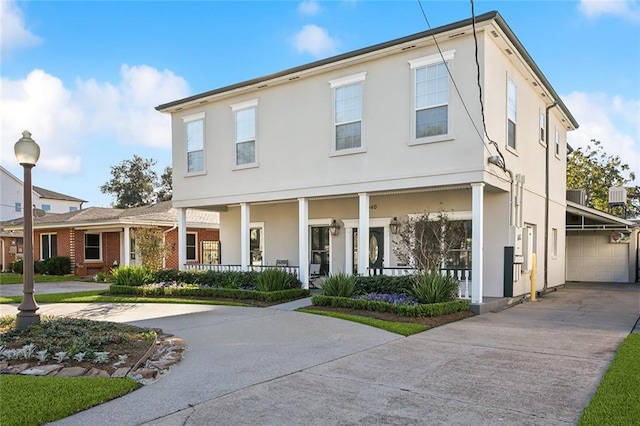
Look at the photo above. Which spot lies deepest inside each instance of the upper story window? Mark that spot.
(73, 209)
(18, 207)
(245, 120)
(194, 134)
(432, 116)
(543, 122)
(46, 207)
(557, 142)
(511, 113)
(347, 112)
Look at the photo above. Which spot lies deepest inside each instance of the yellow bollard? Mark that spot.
(534, 266)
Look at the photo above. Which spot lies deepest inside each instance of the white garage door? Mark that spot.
(592, 258)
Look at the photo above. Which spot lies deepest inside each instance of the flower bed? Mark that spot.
(417, 310)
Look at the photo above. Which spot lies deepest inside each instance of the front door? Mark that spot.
(376, 249)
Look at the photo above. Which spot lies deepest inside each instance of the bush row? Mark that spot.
(57, 265)
(384, 284)
(227, 279)
(430, 310)
(208, 292)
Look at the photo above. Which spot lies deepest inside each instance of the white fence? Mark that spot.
(462, 275)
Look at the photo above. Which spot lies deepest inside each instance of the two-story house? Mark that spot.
(317, 163)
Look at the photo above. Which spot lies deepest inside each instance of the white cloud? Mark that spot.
(628, 9)
(612, 120)
(64, 120)
(13, 32)
(314, 40)
(309, 8)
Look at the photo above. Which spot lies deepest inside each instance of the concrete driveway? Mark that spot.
(537, 363)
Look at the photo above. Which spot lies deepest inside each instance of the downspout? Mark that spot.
(546, 196)
(164, 241)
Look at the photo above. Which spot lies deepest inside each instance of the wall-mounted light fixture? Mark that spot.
(394, 225)
(334, 228)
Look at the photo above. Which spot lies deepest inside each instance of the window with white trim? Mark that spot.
(194, 135)
(511, 113)
(557, 142)
(431, 117)
(347, 112)
(73, 209)
(92, 246)
(543, 121)
(554, 239)
(192, 246)
(46, 207)
(245, 123)
(48, 246)
(256, 247)
(18, 207)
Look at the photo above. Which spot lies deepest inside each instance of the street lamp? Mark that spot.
(27, 152)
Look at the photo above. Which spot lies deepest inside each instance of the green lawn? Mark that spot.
(96, 296)
(7, 278)
(617, 400)
(28, 400)
(403, 328)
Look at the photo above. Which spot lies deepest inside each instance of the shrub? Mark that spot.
(430, 310)
(434, 288)
(208, 292)
(274, 279)
(39, 267)
(58, 265)
(17, 266)
(339, 285)
(384, 284)
(131, 276)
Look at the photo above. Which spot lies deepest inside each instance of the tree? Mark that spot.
(133, 183)
(595, 171)
(151, 246)
(166, 190)
(425, 240)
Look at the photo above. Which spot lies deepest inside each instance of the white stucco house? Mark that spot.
(11, 194)
(365, 138)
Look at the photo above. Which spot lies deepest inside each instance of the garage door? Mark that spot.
(593, 258)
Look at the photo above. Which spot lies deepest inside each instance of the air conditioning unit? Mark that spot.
(617, 196)
(578, 196)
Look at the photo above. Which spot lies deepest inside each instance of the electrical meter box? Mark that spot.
(518, 243)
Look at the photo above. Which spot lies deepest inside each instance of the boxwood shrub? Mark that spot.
(384, 284)
(430, 310)
(227, 279)
(209, 292)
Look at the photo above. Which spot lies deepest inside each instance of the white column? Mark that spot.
(348, 247)
(182, 238)
(126, 243)
(363, 235)
(245, 229)
(303, 241)
(477, 209)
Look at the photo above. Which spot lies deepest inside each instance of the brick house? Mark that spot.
(97, 238)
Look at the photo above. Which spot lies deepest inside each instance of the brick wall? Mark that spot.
(11, 244)
(171, 240)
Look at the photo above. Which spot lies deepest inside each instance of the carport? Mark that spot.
(600, 247)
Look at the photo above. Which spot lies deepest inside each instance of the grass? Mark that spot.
(97, 296)
(616, 401)
(10, 278)
(53, 398)
(405, 329)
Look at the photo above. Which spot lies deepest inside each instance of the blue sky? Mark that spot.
(84, 76)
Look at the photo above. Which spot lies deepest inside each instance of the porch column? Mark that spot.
(303, 241)
(245, 235)
(363, 234)
(182, 238)
(477, 209)
(126, 244)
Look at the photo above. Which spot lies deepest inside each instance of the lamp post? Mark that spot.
(27, 152)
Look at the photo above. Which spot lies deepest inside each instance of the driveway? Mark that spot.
(537, 363)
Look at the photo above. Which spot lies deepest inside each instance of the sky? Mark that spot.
(84, 77)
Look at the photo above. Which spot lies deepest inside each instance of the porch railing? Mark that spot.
(238, 268)
(462, 275)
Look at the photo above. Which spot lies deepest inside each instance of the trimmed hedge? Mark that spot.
(384, 284)
(57, 265)
(227, 279)
(430, 310)
(207, 292)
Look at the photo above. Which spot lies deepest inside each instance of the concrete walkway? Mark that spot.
(48, 288)
(537, 363)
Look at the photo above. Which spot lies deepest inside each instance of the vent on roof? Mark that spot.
(509, 51)
(457, 35)
(617, 196)
(578, 196)
(408, 47)
(494, 33)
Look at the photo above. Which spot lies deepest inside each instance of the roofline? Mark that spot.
(580, 209)
(111, 223)
(493, 15)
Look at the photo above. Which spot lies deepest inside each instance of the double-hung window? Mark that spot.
(543, 122)
(192, 246)
(194, 134)
(557, 142)
(347, 112)
(18, 207)
(46, 207)
(48, 246)
(511, 113)
(431, 112)
(92, 246)
(245, 115)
